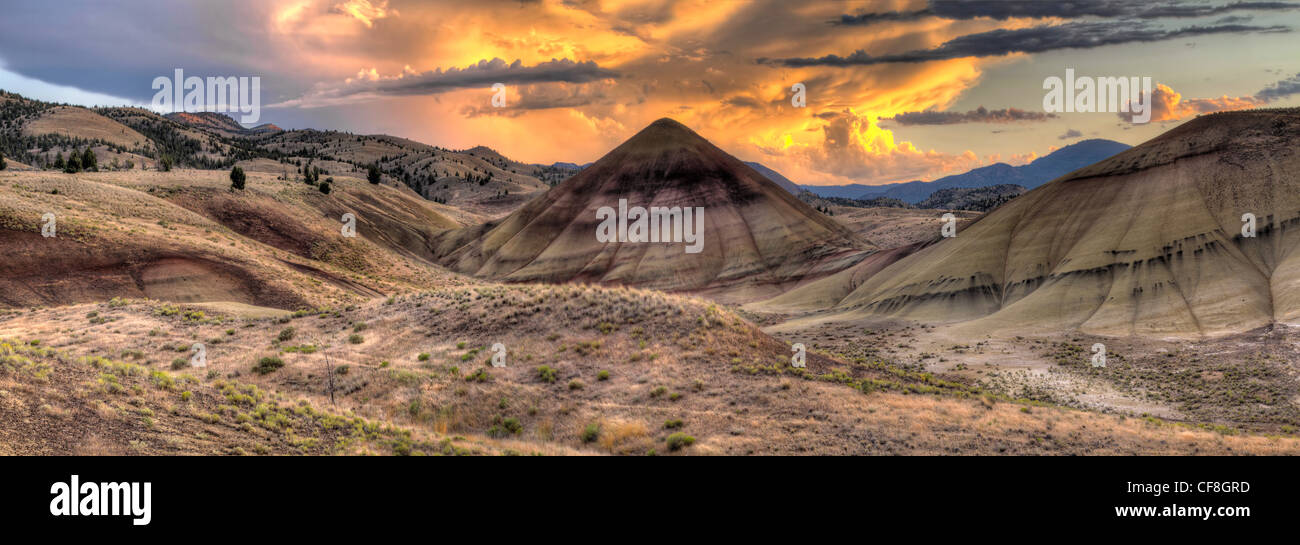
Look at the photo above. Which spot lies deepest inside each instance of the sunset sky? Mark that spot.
(894, 88)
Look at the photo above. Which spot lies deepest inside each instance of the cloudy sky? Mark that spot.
(897, 90)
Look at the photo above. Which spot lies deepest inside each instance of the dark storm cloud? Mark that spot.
(481, 75)
(743, 102)
(1028, 40)
(1069, 133)
(1281, 89)
(978, 115)
(119, 49)
(1201, 10)
(1233, 19)
(545, 96)
(484, 74)
(882, 17)
(1037, 9)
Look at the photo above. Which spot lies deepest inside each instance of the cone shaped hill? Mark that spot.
(1148, 242)
(757, 238)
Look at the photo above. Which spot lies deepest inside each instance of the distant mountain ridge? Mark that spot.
(221, 123)
(569, 166)
(1036, 173)
(776, 177)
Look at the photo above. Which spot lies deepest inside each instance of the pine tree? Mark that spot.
(88, 161)
(2, 161)
(373, 174)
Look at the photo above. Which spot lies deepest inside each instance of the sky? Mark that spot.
(895, 90)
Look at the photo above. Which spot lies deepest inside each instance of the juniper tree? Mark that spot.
(237, 178)
(73, 165)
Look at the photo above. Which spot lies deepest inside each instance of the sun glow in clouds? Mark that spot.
(366, 12)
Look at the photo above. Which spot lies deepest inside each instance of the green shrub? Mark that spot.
(512, 425)
(679, 440)
(547, 374)
(590, 433)
(267, 365)
(286, 334)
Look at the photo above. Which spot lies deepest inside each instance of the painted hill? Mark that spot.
(1148, 242)
(757, 237)
(184, 236)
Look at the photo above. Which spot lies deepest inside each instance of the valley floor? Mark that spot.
(1243, 383)
(588, 371)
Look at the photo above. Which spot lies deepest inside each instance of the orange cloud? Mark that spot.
(690, 59)
(855, 147)
(1169, 105)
